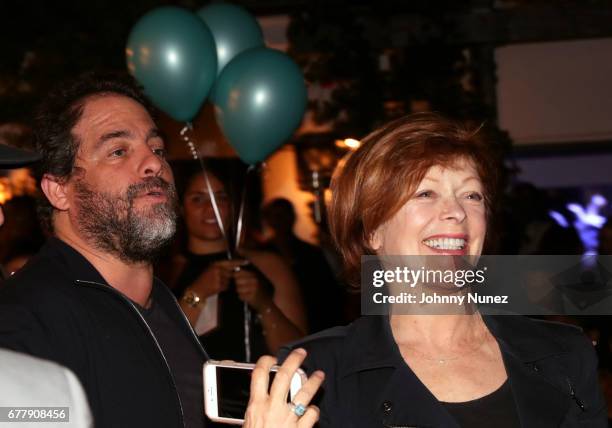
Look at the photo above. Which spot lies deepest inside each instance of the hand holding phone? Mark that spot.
(227, 386)
(271, 410)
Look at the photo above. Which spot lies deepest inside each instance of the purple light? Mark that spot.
(559, 218)
(589, 221)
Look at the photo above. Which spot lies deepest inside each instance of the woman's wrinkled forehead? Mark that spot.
(460, 167)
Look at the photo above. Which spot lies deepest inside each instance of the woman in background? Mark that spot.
(212, 290)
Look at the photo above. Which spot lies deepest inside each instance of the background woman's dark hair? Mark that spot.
(231, 172)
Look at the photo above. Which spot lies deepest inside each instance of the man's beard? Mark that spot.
(112, 224)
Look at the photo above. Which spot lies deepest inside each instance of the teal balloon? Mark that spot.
(234, 29)
(171, 52)
(260, 99)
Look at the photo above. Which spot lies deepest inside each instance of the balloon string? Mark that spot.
(247, 331)
(240, 221)
(239, 226)
(213, 197)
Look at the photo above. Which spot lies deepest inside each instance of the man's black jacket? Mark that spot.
(60, 308)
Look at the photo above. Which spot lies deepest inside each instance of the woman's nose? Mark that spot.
(452, 210)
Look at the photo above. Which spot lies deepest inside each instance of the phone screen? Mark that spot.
(233, 389)
(233, 386)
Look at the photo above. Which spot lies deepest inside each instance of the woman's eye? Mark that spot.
(424, 194)
(199, 200)
(475, 196)
(118, 153)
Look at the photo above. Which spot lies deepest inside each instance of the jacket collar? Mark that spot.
(372, 345)
(72, 263)
(392, 385)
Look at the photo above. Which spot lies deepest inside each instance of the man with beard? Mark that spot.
(89, 300)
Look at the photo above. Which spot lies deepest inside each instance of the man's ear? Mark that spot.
(55, 191)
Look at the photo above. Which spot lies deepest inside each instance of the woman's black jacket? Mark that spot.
(552, 370)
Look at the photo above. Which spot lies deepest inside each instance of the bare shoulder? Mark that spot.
(271, 265)
(263, 259)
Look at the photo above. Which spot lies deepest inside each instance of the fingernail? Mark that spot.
(300, 351)
(319, 374)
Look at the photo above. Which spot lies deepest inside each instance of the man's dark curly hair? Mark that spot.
(58, 114)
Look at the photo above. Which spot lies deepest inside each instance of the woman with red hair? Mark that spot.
(426, 186)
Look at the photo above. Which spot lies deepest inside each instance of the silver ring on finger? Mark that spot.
(297, 408)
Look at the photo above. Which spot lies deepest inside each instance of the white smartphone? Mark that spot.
(227, 386)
